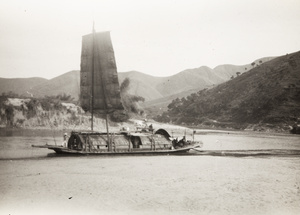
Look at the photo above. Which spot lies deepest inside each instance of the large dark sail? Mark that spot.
(98, 73)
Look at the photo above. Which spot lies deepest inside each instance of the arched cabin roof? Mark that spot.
(163, 132)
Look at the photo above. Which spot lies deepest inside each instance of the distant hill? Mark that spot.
(68, 83)
(19, 85)
(226, 71)
(156, 88)
(268, 93)
(192, 80)
(189, 79)
(163, 89)
(151, 88)
(158, 106)
(142, 84)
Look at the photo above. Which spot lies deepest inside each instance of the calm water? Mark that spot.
(36, 181)
(16, 144)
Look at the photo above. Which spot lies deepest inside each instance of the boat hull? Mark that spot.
(67, 151)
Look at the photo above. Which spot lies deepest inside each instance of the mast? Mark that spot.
(107, 131)
(99, 84)
(93, 72)
(103, 89)
(105, 111)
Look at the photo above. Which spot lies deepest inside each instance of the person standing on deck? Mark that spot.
(65, 142)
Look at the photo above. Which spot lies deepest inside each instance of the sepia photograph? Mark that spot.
(118, 107)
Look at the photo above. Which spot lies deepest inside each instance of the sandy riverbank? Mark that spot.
(148, 185)
(35, 182)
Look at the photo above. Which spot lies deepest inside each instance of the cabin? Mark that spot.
(120, 142)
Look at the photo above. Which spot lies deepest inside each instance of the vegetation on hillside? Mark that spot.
(267, 94)
(42, 109)
(27, 108)
(130, 103)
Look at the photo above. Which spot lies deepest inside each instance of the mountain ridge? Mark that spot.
(144, 85)
(267, 94)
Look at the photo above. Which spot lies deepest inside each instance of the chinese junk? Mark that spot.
(100, 93)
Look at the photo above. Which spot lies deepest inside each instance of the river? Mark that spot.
(37, 181)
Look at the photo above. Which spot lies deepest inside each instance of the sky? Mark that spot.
(157, 37)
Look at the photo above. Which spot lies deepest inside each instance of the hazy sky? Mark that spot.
(160, 38)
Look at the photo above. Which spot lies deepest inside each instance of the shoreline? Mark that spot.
(169, 127)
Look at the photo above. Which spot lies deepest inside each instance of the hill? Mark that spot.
(193, 80)
(268, 93)
(142, 84)
(226, 71)
(189, 79)
(159, 91)
(68, 83)
(149, 87)
(48, 113)
(19, 85)
(156, 88)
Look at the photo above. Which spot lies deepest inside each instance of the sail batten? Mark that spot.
(99, 72)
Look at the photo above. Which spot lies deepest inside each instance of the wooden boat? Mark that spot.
(124, 143)
(100, 94)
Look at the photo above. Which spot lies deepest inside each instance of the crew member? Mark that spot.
(65, 142)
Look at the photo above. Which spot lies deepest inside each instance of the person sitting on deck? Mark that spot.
(182, 142)
(151, 129)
